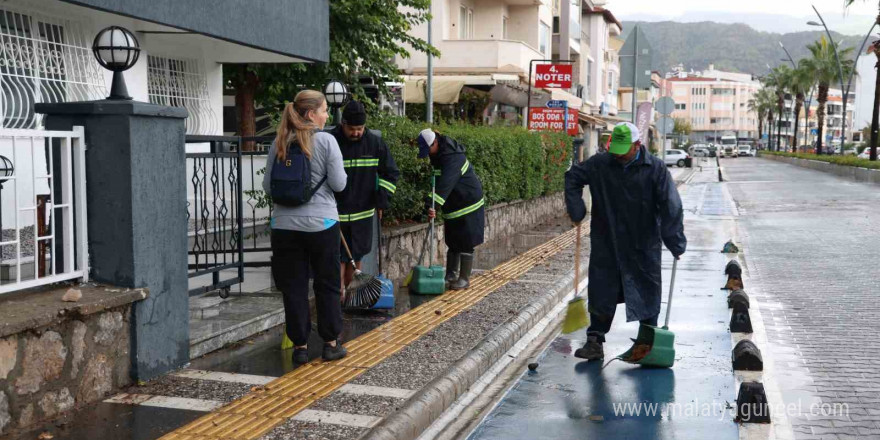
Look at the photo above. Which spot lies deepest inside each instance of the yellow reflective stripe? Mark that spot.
(387, 185)
(360, 163)
(438, 199)
(465, 211)
(464, 167)
(356, 216)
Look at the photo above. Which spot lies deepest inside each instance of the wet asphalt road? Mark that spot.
(811, 242)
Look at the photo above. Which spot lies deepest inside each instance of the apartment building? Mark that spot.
(488, 45)
(833, 120)
(715, 103)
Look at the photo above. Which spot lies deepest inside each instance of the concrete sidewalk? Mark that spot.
(567, 398)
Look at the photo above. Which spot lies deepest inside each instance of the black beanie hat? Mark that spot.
(354, 114)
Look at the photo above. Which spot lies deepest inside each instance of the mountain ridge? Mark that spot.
(735, 47)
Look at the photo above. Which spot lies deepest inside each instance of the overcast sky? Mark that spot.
(785, 7)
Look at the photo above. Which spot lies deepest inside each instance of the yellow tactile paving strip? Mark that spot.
(267, 407)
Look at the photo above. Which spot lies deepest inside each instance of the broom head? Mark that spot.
(364, 291)
(575, 315)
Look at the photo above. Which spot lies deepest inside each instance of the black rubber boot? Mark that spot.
(333, 353)
(464, 277)
(591, 351)
(452, 261)
(300, 356)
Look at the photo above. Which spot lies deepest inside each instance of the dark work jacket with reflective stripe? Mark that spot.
(635, 210)
(362, 191)
(457, 190)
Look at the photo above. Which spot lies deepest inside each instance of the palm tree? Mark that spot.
(779, 79)
(875, 118)
(823, 67)
(800, 83)
(762, 103)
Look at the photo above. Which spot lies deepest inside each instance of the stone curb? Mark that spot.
(423, 408)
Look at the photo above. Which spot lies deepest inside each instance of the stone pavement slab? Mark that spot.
(810, 241)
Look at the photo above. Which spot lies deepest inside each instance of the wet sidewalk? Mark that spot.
(568, 398)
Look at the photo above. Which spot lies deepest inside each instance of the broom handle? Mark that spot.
(347, 251)
(379, 233)
(577, 260)
(433, 187)
(671, 288)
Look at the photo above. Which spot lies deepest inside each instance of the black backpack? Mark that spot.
(291, 182)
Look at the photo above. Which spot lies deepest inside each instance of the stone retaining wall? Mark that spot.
(857, 174)
(402, 246)
(51, 369)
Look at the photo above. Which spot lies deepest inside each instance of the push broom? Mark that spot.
(576, 314)
(365, 289)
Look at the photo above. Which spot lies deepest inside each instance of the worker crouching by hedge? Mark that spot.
(459, 193)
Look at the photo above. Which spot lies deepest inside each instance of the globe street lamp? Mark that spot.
(337, 95)
(117, 50)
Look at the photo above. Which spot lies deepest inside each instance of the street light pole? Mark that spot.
(429, 92)
(840, 74)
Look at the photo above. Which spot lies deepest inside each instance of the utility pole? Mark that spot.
(429, 92)
(635, 73)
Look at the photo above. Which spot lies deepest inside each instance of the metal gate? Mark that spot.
(227, 212)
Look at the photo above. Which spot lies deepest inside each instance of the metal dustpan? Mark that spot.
(654, 346)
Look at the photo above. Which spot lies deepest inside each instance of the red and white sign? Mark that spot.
(552, 119)
(553, 76)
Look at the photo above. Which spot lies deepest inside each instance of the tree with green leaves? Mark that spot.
(824, 69)
(779, 79)
(761, 104)
(365, 38)
(874, 48)
(800, 81)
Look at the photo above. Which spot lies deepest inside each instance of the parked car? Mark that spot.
(701, 151)
(676, 157)
(866, 153)
(746, 150)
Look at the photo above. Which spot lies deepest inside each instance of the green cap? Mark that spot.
(622, 138)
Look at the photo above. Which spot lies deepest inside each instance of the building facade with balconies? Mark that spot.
(715, 103)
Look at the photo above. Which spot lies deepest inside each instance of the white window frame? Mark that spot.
(544, 39)
(181, 82)
(44, 59)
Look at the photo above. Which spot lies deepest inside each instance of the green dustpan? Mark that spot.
(654, 346)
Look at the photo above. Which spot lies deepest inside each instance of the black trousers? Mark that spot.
(293, 253)
(359, 236)
(601, 324)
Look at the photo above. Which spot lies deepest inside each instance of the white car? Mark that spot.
(676, 157)
(866, 153)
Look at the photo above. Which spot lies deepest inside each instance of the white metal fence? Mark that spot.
(42, 208)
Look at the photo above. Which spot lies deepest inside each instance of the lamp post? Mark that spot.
(843, 90)
(337, 95)
(117, 50)
(6, 171)
(794, 116)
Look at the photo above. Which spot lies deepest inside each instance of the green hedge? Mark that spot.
(850, 161)
(512, 162)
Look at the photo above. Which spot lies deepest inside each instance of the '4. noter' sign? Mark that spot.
(553, 76)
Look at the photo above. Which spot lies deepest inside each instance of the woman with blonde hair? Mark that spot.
(305, 226)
